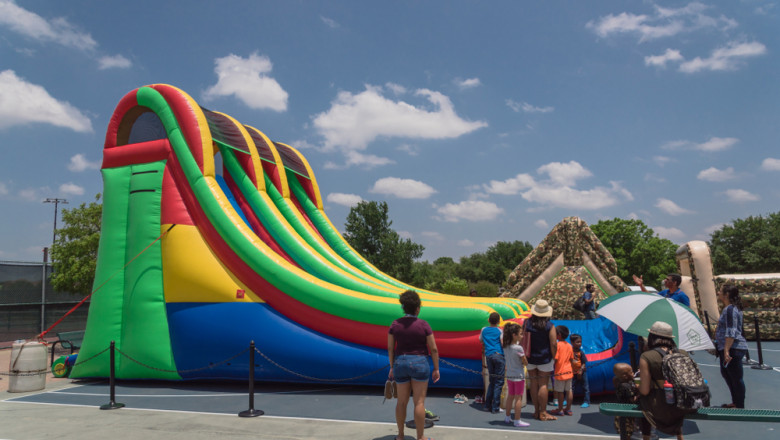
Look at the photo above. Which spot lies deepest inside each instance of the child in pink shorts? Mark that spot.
(515, 373)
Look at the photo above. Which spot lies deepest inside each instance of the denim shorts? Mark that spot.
(411, 366)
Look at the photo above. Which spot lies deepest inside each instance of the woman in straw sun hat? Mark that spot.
(666, 418)
(541, 355)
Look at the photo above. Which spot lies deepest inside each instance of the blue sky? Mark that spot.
(476, 122)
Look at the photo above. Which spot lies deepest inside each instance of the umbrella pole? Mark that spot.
(632, 355)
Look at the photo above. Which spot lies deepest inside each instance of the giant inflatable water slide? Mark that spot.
(214, 236)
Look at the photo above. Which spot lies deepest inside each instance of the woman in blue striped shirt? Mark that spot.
(731, 344)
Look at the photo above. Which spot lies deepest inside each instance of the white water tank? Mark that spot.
(27, 367)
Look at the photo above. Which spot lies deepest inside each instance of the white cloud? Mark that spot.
(34, 194)
(355, 120)
(302, 144)
(357, 159)
(32, 25)
(23, 103)
(770, 164)
(79, 163)
(729, 57)
(71, 189)
(664, 22)
(348, 200)
(661, 161)
(557, 190)
(469, 210)
(465, 243)
(247, 79)
(669, 233)
(711, 145)
(661, 60)
(541, 224)
(114, 62)
(564, 173)
(397, 89)
(713, 174)
(527, 108)
(717, 144)
(713, 228)
(3, 189)
(671, 208)
(331, 23)
(468, 83)
(406, 235)
(740, 195)
(411, 150)
(432, 236)
(629, 23)
(511, 186)
(402, 188)
(632, 216)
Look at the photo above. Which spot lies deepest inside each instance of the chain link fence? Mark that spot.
(27, 308)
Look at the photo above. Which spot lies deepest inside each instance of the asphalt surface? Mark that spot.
(205, 410)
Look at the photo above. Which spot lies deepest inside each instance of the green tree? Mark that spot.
(455, 286)
(509, 255)
(750, 245)
(74, 254)
(368, 231)
(637, 250)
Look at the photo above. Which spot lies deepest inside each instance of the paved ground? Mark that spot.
(205, 410)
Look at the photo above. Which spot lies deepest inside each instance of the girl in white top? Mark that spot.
(515, 373)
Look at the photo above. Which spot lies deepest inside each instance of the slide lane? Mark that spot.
(277, 213)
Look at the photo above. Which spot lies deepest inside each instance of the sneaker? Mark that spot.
(553, 402)
(585, 405)
(507, 420)
(521, 424)
(429, 415)
(495, 411)
(479, 399)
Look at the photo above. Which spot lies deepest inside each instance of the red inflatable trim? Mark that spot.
(142, 152)
(125, 104)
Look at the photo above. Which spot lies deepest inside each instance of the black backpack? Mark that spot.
(579, 304)
(690, 391)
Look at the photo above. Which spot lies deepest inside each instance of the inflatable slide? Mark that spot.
(214, 236)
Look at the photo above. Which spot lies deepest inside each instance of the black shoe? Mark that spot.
(429, 415)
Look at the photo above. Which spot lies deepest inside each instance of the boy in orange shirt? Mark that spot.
(563, 372)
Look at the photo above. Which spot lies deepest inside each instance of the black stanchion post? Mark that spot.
(761, 365)
(632, 355)
(251, 412)
(111, 385)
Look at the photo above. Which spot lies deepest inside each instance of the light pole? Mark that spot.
(56, 202)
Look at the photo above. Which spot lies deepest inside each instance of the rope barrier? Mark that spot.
(80, 303)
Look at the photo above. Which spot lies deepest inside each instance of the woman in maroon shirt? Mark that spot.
(409, 341)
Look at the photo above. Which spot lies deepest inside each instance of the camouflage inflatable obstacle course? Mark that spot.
(557, 270)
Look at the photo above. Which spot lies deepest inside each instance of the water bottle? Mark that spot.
(669, 393)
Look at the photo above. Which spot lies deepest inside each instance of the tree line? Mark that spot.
(750, 245)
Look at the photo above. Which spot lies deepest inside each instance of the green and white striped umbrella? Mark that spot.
(635, 312)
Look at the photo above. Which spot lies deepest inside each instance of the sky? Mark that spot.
(476, 122)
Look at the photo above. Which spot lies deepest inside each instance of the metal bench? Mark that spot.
(711, 413)
(69, 341)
